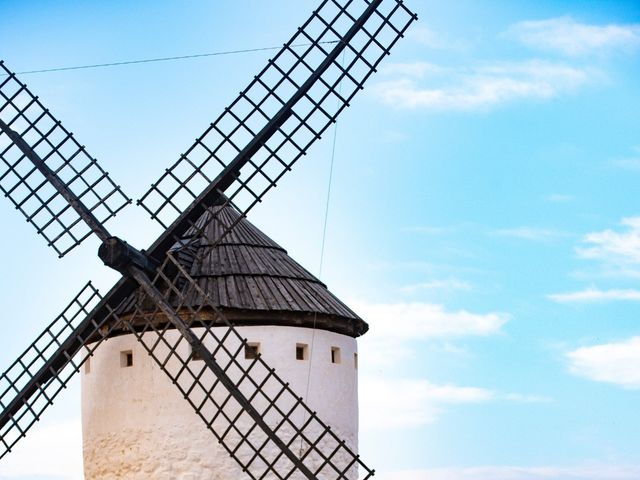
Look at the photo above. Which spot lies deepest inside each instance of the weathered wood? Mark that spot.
(249, 272)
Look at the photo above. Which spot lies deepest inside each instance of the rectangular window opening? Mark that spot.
(195, 356)
(87, 366)
(355, 360)
(251, 350)
(302, 351)
(126, 359)
(335, 354)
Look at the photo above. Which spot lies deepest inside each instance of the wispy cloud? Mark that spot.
(417, 320)
(617, 363)
(409, 403)
(395, 328)
(593, 294)
(568, 36)
(482, 87)
(617, 250)
(447, 284)
(589, 472)
(388, 402)
(629, 163)
(525, 398)
(618, 255)
(530, 233)
(391, 403)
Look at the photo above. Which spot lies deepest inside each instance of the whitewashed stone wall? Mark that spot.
(136, 425)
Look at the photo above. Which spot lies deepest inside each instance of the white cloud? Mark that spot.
(570, 37)
(525, 398)
(395, 327)
(593, 294)
(588, 472)
(388, 402)
(447, 284)
(409, 403)
(619, 255)
(417, 320)
(631, 162)
(483, 87)
(391, 403)
(530, 233)
(51, 450)
(617, 363)
(620, 250)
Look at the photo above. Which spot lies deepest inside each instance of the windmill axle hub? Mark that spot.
(119, 255)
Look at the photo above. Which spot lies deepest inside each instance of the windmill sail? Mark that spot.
(59, 351)
(28, 128)
(265, 131)
(282, 112)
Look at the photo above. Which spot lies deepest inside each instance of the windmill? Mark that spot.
(203, 198)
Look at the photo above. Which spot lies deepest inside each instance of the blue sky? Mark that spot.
(482, 217)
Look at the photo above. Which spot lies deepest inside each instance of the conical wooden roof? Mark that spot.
(255, 282)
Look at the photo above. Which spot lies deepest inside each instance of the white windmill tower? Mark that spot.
(129, 407)
(213, 305)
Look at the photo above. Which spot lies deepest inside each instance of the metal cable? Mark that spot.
(322, 245)
(161, 59)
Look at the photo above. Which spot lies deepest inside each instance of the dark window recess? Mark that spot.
(126, 359)
(335, 355)
(251, 351)
(301, 351)
(196, 355)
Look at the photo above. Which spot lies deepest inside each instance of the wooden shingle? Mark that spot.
(255, 282)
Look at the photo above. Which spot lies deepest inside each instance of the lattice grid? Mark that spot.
(28, 189)
(58, 353)
(272, 123)
(241, 130)
(317, 446)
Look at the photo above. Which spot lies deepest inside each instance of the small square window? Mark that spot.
(335, 354)
(195, 356)
(126, 359)
(302, 351)
(251, 350)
